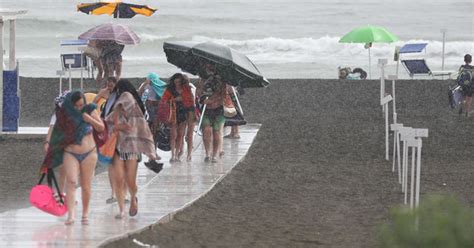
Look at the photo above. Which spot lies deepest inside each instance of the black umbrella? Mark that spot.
(232, 66)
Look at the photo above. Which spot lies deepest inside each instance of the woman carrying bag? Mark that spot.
(72, 144)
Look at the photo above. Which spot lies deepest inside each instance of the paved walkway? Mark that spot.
(159, 197)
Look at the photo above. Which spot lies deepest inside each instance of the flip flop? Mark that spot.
(85, 220)
(133, 211)
(154, 166)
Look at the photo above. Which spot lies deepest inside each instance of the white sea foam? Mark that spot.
(297, 38)
(308, 50)
(144, 37)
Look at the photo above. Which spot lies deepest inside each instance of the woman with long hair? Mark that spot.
(72, 144)
(134, 138)
(180, 93)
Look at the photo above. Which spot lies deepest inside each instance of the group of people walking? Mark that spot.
(131, 116)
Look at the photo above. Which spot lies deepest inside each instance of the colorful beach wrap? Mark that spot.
(139, 139)
(69, 129)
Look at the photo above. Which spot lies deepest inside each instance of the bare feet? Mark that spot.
(189, 158)
(69, 222)
(120, 215)
(172, 160)
(232, 136)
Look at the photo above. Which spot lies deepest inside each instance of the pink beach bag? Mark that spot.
(42, 197)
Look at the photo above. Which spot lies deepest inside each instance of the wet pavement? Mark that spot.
(160, 196)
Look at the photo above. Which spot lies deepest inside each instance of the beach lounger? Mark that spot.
(75, 50)
(77, 58)
(418, 67)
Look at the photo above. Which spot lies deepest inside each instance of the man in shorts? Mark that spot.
(211, 92)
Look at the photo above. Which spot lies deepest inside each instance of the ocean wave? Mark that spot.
(145, 37)
(308, 50)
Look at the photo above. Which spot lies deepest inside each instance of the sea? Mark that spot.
(284, 38)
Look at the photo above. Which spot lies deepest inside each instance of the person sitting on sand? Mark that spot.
(72, 144)
(467, 90)
(211, 92)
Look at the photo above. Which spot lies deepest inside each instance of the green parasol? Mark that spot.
(368, 34)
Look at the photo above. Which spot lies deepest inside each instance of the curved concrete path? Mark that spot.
(159, 197)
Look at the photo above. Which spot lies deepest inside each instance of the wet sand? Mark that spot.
(315, 175)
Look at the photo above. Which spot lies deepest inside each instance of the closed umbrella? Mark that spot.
(231, 65)
(117, 32)
(368, 35)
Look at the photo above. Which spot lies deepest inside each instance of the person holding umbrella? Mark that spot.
(211, 92)
(111, 58)
(112, 39)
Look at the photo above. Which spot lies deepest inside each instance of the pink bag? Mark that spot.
(42, 196)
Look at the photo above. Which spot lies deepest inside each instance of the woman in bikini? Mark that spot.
(72, 144)
(134, 138)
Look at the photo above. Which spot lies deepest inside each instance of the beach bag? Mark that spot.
(465, 79)
(92, 52)
(230, 112)
(455, 96)
(163, 137)
(42, 196)
(106, 152)
(167, 112)
(100, 138)
(229, 108)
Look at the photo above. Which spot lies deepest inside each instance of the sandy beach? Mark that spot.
(314, 177)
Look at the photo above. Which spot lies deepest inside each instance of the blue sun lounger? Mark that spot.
(418, 67)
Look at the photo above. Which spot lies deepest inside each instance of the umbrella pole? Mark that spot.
(200, 121)
(238, 102)
(370, 70)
